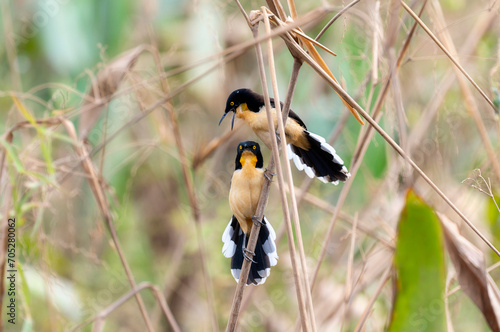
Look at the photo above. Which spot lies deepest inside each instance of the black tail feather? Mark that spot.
(319, 160)
(265, 251)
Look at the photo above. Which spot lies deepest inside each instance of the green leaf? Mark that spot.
(419, 262)
(12, 155)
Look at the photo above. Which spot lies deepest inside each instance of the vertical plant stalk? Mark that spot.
(100, 196)
(288, 173)
(274, 160)
(195, 210)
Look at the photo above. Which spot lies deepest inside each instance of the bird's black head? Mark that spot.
(245, 98)
(249, 152)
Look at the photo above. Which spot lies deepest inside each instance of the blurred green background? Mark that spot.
(51, 52)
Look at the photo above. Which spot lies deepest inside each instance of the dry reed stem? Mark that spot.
(394, 145)
(193, 201)
(290, 38)
(97, 190)
(208, 149)
(304, 278)
(104, 313)
(286, 109)
(100, 197)
(470, 102)
(232, 323)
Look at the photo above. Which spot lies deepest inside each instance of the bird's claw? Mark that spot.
(278, 137)
(269, 175)
(257, 221)
(248, 258)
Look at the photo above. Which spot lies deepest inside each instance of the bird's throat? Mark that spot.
(248, 159)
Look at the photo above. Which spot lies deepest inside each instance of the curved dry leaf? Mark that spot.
(471, 273)
(108, 80)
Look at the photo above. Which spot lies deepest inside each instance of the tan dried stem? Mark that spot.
(100, 196)
(304, 277)
(237, 300)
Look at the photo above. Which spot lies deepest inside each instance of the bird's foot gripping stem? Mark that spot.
(248, 258)
(257, 221)
(269, 175)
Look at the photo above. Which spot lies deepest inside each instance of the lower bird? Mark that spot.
(246, 186)
(310, 152)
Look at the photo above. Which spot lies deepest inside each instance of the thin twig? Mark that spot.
(340, 13)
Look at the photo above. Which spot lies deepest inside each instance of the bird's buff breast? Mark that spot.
(244, 195)
(258, 123)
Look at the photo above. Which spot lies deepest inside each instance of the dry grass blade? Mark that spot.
(471, 273)
(309, 46)
(207, 149)
(107, 82)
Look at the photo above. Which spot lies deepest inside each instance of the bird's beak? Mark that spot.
(232, 120)
(223, 116)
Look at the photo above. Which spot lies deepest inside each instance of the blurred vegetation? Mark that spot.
(51, 52)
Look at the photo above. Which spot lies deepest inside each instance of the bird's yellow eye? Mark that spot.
(231, 103)
(254, 147)
(241, 147)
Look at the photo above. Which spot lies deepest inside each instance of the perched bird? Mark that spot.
(309, 151)
(246, 186)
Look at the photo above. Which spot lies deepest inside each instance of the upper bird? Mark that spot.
(309, 151)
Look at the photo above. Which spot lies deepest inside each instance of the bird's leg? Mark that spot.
(246, 251)
(257, 221)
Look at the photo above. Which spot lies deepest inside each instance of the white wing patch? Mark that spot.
(229, 247)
